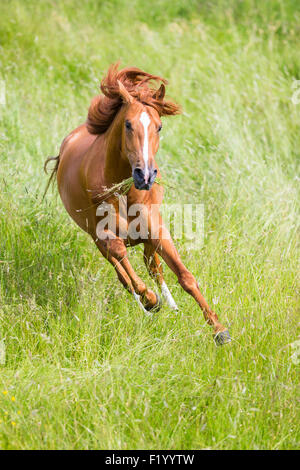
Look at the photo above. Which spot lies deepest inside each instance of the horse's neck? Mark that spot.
(117, 168)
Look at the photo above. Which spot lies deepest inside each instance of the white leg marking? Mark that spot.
(137, 298)
(145, 120)
(168, 296)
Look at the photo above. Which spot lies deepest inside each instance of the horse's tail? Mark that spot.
(53, 172)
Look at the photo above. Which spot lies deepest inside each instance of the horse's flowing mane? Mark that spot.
(104, 108)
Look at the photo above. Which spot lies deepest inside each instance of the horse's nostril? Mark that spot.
(139, 174)
(144, 179)
(153, 175)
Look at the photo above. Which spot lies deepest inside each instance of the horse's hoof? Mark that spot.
(157, 306)
(223, 337)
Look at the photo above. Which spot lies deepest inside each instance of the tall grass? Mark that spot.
(83, 367)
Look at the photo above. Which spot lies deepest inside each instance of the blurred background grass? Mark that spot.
(83, 368)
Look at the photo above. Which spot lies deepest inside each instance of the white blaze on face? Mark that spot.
(145, 120)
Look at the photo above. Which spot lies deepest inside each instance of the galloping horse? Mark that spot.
(120, 139)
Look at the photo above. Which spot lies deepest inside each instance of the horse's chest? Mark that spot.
(131, 221)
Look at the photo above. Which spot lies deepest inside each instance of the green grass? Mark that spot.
(86, 368)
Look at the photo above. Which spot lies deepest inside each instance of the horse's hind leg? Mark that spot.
(114, 250)
(155, 270)
(166, 249)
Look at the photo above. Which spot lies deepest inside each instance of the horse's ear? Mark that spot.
(160, 93)
(126, 96)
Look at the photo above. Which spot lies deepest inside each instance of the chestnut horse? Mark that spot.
(120, 139)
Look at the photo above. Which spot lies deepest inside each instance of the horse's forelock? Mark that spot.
(103, 109)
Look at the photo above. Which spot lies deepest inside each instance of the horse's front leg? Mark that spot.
(165, 247)
(113, 248)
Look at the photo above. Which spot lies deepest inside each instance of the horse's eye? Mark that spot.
(159, 128)
(128, 125)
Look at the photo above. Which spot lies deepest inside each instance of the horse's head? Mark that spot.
(140, 138)
(141, 108)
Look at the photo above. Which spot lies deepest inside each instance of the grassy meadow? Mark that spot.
(81, 367)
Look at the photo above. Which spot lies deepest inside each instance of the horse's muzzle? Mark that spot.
(141, 181)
